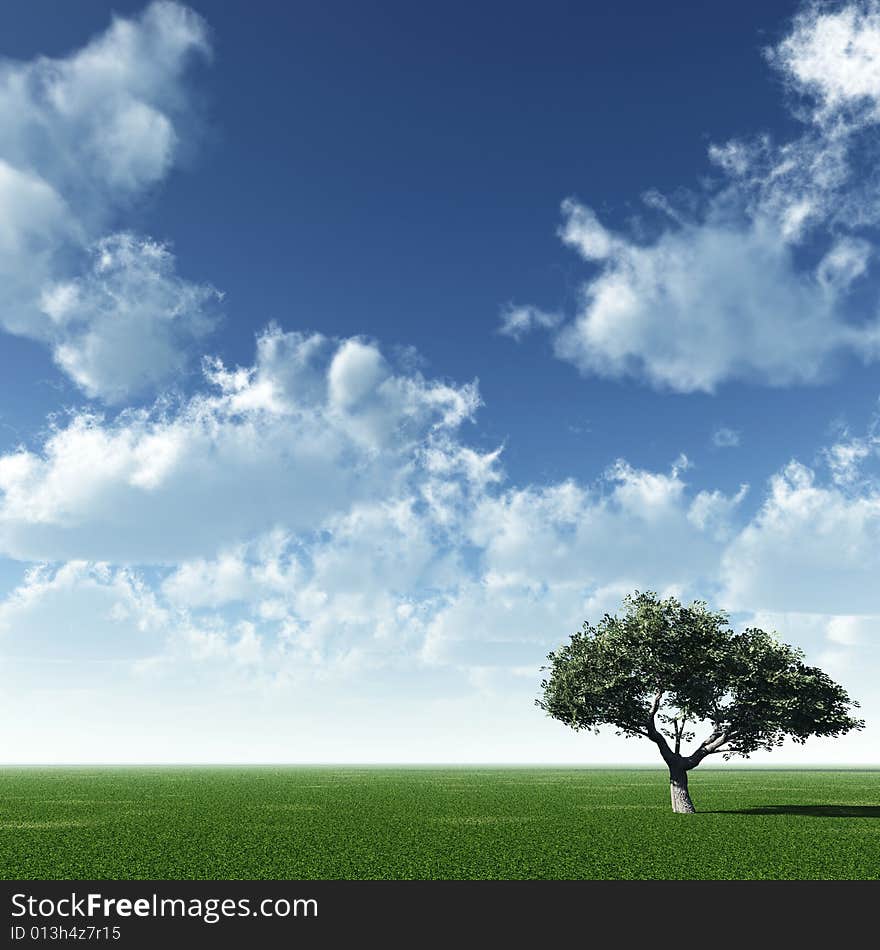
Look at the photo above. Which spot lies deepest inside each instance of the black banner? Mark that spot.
(170, 914)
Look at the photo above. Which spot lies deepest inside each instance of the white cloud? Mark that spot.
(328, 500)
(100, 626)
(126, 325)
(811, 547)
(833, 56)
(33, 222)
(275, 445)
(80, 138)
(714, 512)
(355, 374)
(202, 583)
(516, 322)
(582, 230)
(756, 276)
(99, 124)
(852, 631)
(846, 261)
(386, 583)
(391, 583)
(631, 528)
(846, 458)
(725, 438)
(80, 614)
(500, 624)
(713, 300)
(472, 592)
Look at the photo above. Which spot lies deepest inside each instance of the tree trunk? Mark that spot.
(678, 786)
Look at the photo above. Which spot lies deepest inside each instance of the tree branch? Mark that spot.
(631, 727)
(714, 744)
(710, 744)
(654, 734)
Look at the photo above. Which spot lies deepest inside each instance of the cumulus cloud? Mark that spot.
(812, 547)
(78, 614)
(328, 500)
(313, 425)
(624, 527)
(715, 513)
(832, 56)
(103, 118)
(125, 326)
(97, 625)
(382, 582)
(714, 299)
(387, 583)
(758, 276)
(551, 556)
(355, 595)
(81, 137)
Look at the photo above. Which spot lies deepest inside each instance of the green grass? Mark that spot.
(335, 822)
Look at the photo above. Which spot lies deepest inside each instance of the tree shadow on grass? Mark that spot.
(814, 811)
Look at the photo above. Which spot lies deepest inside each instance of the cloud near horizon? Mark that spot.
(329, 509)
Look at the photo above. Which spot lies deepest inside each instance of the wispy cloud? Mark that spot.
(753, 280)
(725, 438)
(516, 322)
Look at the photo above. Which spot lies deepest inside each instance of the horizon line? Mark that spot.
(823, 766)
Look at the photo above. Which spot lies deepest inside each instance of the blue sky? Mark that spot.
(350, 359)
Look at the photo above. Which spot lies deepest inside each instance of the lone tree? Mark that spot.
(685, 667)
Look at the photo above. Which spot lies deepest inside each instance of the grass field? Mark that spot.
(469, 822)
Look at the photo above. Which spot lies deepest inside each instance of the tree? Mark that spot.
(687, 668)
